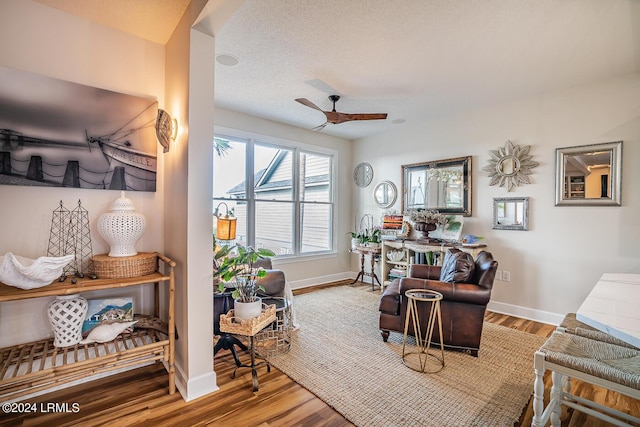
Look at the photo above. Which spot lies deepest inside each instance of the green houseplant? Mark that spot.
(240, 269)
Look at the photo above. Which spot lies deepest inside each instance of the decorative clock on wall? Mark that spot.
(363, 174)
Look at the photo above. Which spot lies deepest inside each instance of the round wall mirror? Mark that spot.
(385, 194)
(363, 174)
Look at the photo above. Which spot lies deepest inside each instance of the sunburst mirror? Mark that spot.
(510, 166)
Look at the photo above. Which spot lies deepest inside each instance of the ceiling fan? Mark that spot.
(335, 117)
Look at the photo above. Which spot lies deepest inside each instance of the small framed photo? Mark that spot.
(107, 310)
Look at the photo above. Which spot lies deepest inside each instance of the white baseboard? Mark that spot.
(195, 387)
(306, 283)
(525, 312)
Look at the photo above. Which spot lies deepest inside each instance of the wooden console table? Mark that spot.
(37, 366)
(410, 248)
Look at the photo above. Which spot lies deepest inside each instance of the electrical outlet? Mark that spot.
(506, 276)
(498, 274)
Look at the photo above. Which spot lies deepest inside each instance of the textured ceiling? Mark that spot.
(413, 59)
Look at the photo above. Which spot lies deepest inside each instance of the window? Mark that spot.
(281, 195)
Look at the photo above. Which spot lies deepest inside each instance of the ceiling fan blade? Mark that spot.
(319, 128)
(349, 117)
(365, 116)
(305, 101)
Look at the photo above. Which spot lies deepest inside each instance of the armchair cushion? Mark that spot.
(457, 267)
(273, 283)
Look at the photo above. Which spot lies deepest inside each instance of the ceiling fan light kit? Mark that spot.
(335, 117)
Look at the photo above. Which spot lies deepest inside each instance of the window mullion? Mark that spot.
(297, 226)
(250, 194)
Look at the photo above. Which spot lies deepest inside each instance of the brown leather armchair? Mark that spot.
(463, 304)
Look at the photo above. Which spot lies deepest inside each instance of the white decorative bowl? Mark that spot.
(395, 256)
(26, 273)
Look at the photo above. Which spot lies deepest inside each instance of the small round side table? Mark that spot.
(417, 360)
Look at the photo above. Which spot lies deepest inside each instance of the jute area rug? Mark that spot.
(338, 354)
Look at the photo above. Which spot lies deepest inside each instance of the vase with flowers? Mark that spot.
(425, 221)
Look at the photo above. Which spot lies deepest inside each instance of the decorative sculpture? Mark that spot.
(26, 273)
(106, 332)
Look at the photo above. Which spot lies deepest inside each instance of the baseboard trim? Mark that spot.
(194, 388)
(525, 312)
(307, 283)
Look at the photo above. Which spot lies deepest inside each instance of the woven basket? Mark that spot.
(250, 327)
(107, 267)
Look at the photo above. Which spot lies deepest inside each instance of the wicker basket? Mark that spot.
(107, 267)
(250, 327)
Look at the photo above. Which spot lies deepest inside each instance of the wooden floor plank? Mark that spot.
(139, 397)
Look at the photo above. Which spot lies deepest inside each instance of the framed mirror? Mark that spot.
(385, 194)
(511, 213)
(444, 185)
(589, 175)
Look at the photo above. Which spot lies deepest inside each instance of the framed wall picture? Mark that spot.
(56, 133)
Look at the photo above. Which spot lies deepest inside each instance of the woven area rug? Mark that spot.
(338, 354)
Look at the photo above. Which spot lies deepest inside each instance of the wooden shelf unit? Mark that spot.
(410, 248)
(33, 367)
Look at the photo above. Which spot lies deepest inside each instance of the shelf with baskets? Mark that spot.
(35, 367)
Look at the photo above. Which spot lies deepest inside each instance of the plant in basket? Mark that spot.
(239, 269)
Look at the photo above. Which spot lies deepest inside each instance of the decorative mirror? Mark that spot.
(443, 185)
(385, 194)
(510, 165)
(363, 174)
(589, 175)
(511, 213)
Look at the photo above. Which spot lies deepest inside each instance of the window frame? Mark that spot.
(251, 141)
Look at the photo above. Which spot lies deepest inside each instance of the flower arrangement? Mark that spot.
(427, 215)
(367, 233)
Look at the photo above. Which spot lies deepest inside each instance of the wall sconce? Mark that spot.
(174, 129)
(226, 226)
(166, 129)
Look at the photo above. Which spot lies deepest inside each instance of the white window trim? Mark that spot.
(245, 136)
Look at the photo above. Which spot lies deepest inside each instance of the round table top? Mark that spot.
(423, 295)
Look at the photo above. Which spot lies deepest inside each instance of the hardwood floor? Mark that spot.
(140, 398)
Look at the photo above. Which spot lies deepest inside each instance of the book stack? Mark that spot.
(397, 273)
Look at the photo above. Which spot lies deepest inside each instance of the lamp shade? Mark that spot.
(226, 228)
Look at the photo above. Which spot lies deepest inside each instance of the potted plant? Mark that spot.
(373, 237)
(240, 269)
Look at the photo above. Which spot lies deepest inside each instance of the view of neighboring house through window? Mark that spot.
(282, 196)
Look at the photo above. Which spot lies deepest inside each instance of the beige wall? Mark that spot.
(555, 264)
(42, 40)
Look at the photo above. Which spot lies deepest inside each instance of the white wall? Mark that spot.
(43, 40)
(555, 264)
(305, 272)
